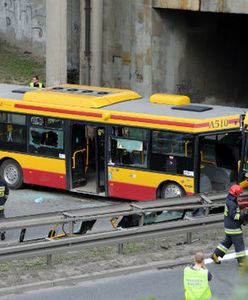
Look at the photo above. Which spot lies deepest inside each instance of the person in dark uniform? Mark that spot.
(234, 217)
(4, 193)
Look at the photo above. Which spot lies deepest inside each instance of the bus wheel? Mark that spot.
(171, 190)
(11, 172)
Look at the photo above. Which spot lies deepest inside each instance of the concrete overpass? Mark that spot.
(193, 47)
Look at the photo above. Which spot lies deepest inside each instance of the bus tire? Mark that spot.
(172, 190)
(11, 172)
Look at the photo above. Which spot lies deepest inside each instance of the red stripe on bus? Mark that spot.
(131, 191)
(63, 111)
(120, 118)
(171, 123)
(144, 120)
(233, 121)
(44, 178)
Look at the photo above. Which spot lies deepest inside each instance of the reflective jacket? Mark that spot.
(39, 85)
(233, 216)
(4, 192)
(196, 285)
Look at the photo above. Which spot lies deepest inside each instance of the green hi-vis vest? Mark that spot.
(32, 84)
(196, 285)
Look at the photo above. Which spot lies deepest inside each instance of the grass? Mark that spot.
(18, 67)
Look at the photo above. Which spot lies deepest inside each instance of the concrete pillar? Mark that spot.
(83, 78)
(91, 54)
(96, 44)
(56, 45)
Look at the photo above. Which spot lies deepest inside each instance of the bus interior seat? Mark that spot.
(220, 178)
(205, 184)
(136, 157)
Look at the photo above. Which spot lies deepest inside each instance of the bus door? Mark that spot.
(219, 153)
(87, 158)
(78, 155)
(100, 158)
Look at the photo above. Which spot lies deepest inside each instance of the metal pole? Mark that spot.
(87, 51)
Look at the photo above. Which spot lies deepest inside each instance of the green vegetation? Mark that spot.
(18, 67)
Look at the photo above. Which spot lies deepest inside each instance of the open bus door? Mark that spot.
(87, 167)
(100, 158)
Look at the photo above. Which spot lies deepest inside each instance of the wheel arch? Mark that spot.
(6, 158)
(2, 160)
(165, 182)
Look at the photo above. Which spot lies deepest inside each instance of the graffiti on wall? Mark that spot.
(25, 20)
(186, 87)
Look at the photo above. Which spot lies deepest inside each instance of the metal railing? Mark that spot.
(53, 246)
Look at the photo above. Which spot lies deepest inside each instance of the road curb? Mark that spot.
(69, 281)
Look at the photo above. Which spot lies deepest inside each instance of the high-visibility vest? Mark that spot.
(32, 84)
(196, 285)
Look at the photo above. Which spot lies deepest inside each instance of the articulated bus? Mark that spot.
(115, 143)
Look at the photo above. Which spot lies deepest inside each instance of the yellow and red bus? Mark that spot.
(116, 143)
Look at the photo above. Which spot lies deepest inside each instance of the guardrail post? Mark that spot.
(141, 220)
(49, 260)
(120, 248)
(189, 238)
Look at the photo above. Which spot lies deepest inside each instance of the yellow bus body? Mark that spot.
(122, 182)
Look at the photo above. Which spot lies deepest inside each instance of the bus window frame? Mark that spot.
(15, 145)
(110, 136)
(177, 155)
(198, 155)
(30, 125)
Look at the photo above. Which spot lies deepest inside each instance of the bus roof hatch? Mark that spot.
(80, 96)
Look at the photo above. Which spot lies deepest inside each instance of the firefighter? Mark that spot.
(196, 280)
(234, 217)
(4, 193)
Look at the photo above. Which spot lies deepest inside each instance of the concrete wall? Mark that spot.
(202, 55)
(23, 23)
(199, 54)
(127, 57)
(189, 48)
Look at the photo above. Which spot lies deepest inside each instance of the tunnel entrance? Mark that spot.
(203, 55)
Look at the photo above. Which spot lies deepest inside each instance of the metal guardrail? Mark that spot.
(184, 203)
(52, 246)
(49, 247)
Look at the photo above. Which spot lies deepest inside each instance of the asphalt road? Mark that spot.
(161, 284)
(35, 200)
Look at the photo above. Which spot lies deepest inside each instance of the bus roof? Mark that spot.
(80, 96)
(116, 106)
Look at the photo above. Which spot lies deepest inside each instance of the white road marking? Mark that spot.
(226, 257)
